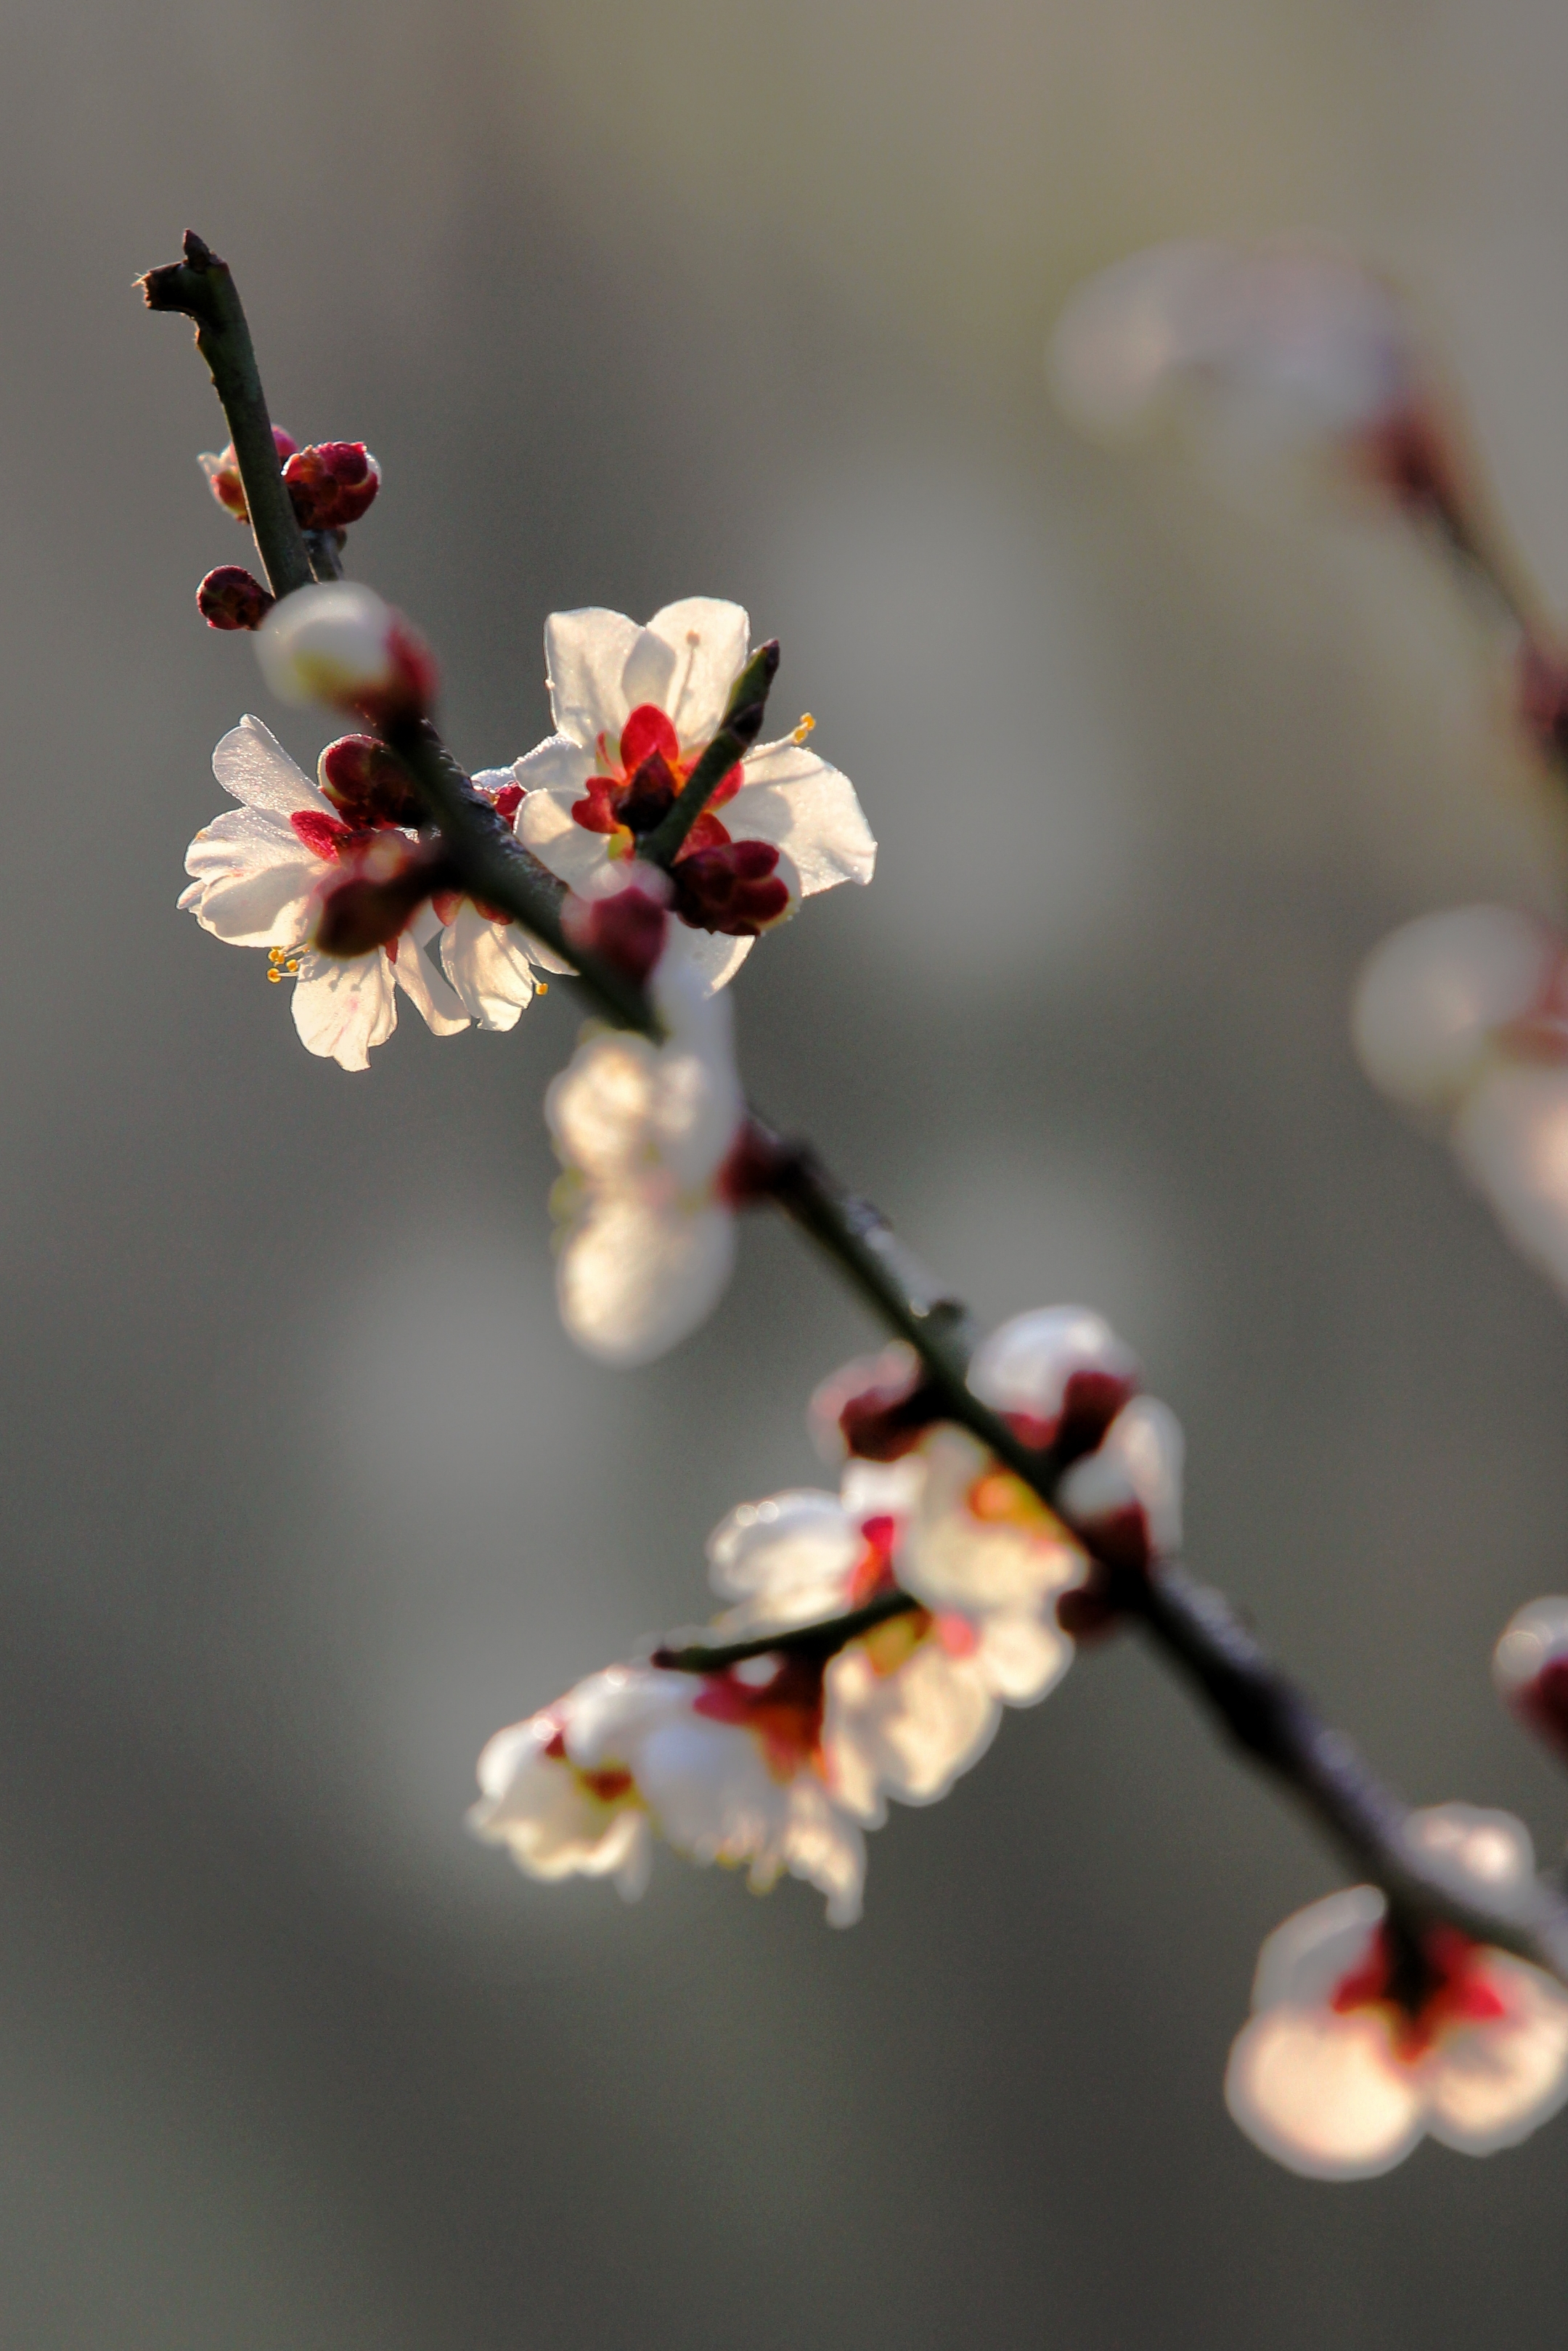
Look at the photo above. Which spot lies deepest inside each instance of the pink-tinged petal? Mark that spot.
(545, 824)
(714, 957)
(253, 884)
(709, 641)
(1432, 997)
(599, 665)
(910, 1730)
(252, 764)
(431, 998)
(1489, 2084)
(343, 1009)
(809, 810)
(791, 1557)
(1512, 1138)
(1303, 1959)
(1022, 1655)
(554, 1823)
(489, 966)
(1028, 1365)
(634, 1280)
(1323, 2093)
(1138, 1464)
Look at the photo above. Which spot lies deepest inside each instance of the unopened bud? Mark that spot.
(331, 484)
(366, 784)
(738, 888)
(223, 473)
(384, 882)
(339, 644)
(1125, 1498)
(233, 598)
(1058, 1376)
(1432, 999)
(1529, 1668)
(621, 918)
(876, 1409)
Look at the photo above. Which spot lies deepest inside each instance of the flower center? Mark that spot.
(1453, 1990)
(778, 1699)
(635, 786)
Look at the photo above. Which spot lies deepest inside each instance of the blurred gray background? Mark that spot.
(307, 1493)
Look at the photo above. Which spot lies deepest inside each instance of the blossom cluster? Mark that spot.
(634, 709)
(873, 1633)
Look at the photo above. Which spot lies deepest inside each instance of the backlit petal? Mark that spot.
(709, 641)
(1323, 2093)
(252, 764)
(633, 1280)
(342, 1008)
(807, 809)
(1491, 2083)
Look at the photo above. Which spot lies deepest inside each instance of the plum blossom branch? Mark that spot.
(1196, 1629)
(203, 288)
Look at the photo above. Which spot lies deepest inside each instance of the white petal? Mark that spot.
(342, 1008)
(714, 956)
(1305, 1959)
(600, 1107)
(489, 966)
(1431, 999)
(252, 764)
(633, 1280)
(804, 807)
(709, 641)
(254, 881)
(954, 1559)
(1322, 2095)
(1491, 2083)
(554, 1826)
(425, 990)
(545, 824)
(1477, 1851)
(911, 1730)
(1022, 1655)
(1138, 1461)
(1024, 1365)
(600, 666)
(793, 1555)
(1512, 1140)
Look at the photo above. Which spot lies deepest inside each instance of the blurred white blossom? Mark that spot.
(1264, 345)
(643, 1132)
(634, 710)
(725, 1767)
(1467, 1013)
(1346, 2066)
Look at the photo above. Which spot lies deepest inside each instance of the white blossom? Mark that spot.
(643, 1132)
(1467, 1013)
(261, 874)
(634, 709)
(1267, 345)
(724, 1767)
(1337, 2078)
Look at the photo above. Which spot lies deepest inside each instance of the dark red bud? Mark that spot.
(627, 929)
(222, 473)
(367, 784)
(233, 598)
(880, 1407)
(332, 483)
(748, 1174)
(735, 889)
(384, 883)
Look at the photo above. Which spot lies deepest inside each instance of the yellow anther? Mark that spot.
(292, 965)
(804, 728)
(542, 987)
(275, 973)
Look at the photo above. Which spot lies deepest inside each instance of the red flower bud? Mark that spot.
(385, 881)
(331, 484)
(233, 598)
(222, 473)
(626, 926)
(367, 784)
(877, 1408)
(1530, 1667)
(735, 889)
